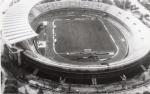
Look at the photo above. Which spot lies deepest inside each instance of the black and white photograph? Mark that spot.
(75, 46)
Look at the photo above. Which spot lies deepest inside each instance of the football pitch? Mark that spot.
(73, 35)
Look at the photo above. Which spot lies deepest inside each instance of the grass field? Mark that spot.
(76, 34)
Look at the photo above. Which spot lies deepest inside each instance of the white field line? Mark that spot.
(110, 36)
(54, 34)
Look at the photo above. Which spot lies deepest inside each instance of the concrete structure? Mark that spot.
(17, 28)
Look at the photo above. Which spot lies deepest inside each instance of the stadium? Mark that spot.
(75, 45)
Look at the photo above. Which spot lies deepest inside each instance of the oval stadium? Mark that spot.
(76, 47)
